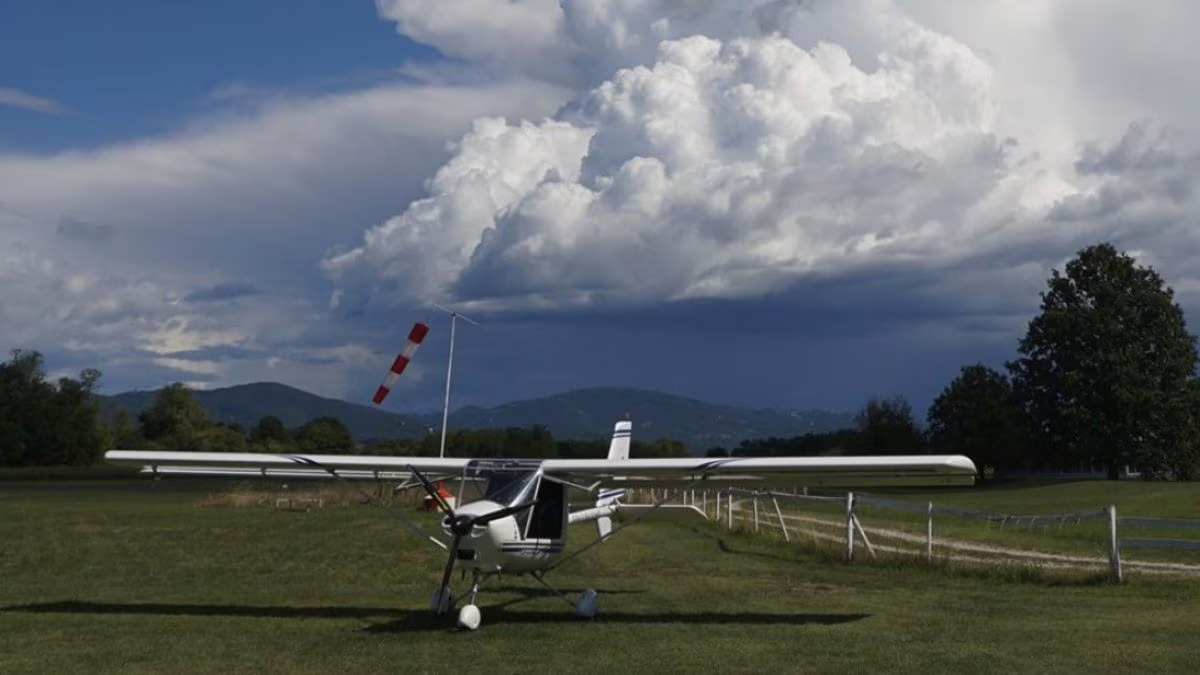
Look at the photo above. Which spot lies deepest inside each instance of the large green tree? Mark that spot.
(324, 434)
(174, 419)
(978, 416)
(270, 435)
(887, 427)
(1104, 368)
(44, 424)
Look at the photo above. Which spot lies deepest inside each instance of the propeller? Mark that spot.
(460, 526)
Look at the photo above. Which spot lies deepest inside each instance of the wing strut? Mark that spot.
(372, 500)
(615, 530)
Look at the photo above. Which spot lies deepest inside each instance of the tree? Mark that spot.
(77, 433)
(270, 433)
(24, 400)
(121, 430)
(977, 415)
(174, 419)
(886, 427)
(1103, 376)
(324, 434)
(41, 424)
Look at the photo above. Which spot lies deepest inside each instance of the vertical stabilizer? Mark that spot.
(619, 448)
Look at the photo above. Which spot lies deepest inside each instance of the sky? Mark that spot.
(772, 203)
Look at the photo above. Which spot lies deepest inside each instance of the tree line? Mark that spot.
(1105, 377)
(46, 425)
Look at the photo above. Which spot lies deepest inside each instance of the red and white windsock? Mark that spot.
(414, 340)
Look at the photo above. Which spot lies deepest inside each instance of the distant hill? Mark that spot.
(591, 413)
(246, 404)
(586, 413)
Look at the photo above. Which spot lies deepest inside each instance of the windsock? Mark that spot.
(414, 340)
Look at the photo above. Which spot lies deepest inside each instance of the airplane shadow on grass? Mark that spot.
(724, 547)
(397, 620)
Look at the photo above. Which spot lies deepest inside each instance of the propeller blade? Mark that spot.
(432, 491)
(449, 568)
(500, 513)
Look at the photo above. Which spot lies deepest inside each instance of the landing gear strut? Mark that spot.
(468, 616)
(588, 604)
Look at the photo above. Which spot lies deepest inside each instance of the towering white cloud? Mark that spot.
(723, 167)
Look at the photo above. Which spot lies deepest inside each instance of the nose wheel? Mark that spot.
(469, 617)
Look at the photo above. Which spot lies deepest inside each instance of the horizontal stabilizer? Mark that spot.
(673, 512)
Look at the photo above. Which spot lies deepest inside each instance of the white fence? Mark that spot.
(765, 511)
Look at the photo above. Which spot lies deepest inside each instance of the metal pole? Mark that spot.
(756, 512)
(446, 404)
(454, 317)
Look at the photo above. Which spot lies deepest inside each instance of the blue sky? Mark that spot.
(784, 205)
(128, 69)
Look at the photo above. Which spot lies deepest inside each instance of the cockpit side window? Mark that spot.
(547, 517)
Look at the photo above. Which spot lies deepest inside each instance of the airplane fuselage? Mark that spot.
(499, 545)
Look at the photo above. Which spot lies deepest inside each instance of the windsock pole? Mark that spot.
(415, 336)
(454, 317)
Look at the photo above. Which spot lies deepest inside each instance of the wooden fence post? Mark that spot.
(782, 524)
(929, 534)
(729, 509)
(849, 526)
(1114, 548)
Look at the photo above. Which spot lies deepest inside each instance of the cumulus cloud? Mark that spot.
(108, 250)
(724, 168)
(905, 171)
(1146, 197)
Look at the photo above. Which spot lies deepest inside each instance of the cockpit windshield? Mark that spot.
(507, 488)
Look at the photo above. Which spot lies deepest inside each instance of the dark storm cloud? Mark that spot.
(220, 292)
(81, 230)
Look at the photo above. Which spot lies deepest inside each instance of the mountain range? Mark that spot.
(584, 413)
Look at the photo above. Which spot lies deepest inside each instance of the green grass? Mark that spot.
(118, 576)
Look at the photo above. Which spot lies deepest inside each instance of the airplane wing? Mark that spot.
(753, 472)
(291, 465)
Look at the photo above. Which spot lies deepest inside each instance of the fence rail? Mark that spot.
(853, 529)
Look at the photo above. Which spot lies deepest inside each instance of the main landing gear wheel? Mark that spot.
(468, 617)
(441, 601)
(588, 605)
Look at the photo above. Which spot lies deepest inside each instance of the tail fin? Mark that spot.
(619, 448)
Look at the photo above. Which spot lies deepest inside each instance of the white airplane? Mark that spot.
(518, 523)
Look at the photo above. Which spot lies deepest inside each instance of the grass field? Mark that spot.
(107, 576)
